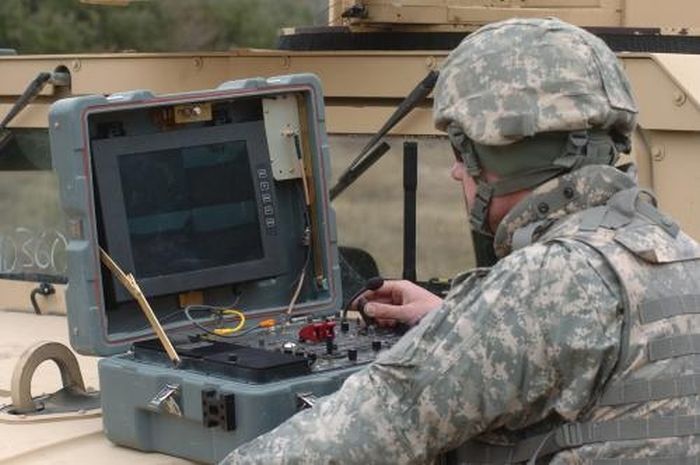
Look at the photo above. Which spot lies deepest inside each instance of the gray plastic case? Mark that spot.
(89, 331)
(131, 388)
(131, 420)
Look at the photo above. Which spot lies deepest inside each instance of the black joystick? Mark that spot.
(372, 285)
(361, 303)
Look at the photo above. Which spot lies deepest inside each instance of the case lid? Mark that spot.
(216, 198)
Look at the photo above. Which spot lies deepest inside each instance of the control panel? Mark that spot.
(280, 352)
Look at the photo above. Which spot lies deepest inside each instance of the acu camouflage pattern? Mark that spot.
(588, 187)
(516, 78)
(515, 350)
(646, 262)
(659, 268)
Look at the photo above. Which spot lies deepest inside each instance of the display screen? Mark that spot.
(190, 208)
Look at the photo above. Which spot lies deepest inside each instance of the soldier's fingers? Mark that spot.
(382, 299)
(379, 311)
(372, 296)
(385, 322)
(391, 291)
(376, 294)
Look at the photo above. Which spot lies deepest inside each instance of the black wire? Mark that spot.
(167, 317)
(194, 322)
(45, 289)
(32, 298)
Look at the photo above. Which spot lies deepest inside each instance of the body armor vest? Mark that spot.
(648, 411)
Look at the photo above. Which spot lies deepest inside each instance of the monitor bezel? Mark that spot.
(105, 154)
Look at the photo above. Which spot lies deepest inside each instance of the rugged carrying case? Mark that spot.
(211, 198)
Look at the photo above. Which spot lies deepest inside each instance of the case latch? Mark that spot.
(167, 400)
(218, 410)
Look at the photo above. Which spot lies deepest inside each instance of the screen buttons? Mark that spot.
(267, 203)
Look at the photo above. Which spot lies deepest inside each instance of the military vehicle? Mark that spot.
(369, 57)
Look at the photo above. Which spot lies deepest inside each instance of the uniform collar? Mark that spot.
(579, 190)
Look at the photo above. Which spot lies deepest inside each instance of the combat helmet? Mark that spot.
(530, 100)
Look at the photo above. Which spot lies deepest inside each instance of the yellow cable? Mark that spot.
(238, 327)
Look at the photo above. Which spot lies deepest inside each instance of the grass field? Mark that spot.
(370, 213)
(31, 217)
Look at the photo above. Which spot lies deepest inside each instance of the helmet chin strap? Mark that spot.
(479, 210)
(581, 148)
(486, 191)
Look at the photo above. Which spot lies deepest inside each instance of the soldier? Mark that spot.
(582, 344)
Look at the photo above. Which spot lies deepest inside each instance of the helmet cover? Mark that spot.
(517, 78)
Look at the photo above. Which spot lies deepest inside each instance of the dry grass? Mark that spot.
(29, 199)
(30, 211)
(370, 213)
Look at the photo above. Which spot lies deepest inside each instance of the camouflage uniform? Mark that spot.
(503, 357)
(577, 347)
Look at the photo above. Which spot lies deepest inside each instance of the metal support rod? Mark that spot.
(410, 186)
(130, 284)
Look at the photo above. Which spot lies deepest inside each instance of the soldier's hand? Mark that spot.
(399, 302)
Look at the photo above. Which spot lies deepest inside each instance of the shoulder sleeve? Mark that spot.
(533, 337)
